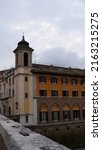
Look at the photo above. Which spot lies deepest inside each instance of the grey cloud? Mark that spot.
(59, 56)
(63, 15)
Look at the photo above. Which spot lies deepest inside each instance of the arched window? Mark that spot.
(66, 112)
(25, 59)
(76, 111)
(55, 112)
(43, 113)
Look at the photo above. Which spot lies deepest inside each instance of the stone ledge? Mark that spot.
(2, 144)
(17, 137)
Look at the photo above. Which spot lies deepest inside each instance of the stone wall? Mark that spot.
(2, 144)
(17, 137)
(71, 102)
(69, 134)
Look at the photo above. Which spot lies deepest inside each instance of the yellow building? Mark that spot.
(35, 94)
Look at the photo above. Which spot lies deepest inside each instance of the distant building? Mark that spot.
(35, 94)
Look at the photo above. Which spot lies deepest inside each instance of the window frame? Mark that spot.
(26, 119)
(64, 81)
(54, 80)
(74, 82)
(26, 79)
(43, 116)
(76, 114)
(67, 116)
(73, 94)
(54, 93)
(82, 93)
(82, 81)
(42, 79)
(25, 59)
(44, 93)
(26, 95)
(55, 115)
(63, 93)
(9, 81)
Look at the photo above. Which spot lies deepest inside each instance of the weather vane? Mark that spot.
(23, 36)
(23, 33)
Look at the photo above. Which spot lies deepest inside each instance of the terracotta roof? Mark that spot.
(50, 69)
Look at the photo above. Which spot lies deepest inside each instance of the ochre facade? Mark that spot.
(35, 94)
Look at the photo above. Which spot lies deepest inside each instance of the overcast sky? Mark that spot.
(53, 28)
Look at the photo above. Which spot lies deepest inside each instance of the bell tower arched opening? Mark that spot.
(25, 59)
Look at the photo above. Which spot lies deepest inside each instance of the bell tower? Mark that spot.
(23, 54)
(23, 83)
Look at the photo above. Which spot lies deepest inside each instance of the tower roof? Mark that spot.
(23, 45)
(23, 42)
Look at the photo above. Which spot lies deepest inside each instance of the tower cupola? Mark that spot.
(23, 42)
(23, 54)
(23, 45)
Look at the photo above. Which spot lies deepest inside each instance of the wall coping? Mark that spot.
(17, 137)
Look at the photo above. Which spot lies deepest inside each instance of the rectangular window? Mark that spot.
(83, 93)
(54, 80)
(9, 92)
(82, 81)
(64, 93)
(54, 93)
(12, 92)
(13, 80)
(16, 105)
(74, 93)
(74, 81)
(9, 81)
(43, 93)
(4, 89)
(26, 79)
(42, 79)
(26, 119)
(26, 95)
(64, 80)
(83, 114)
